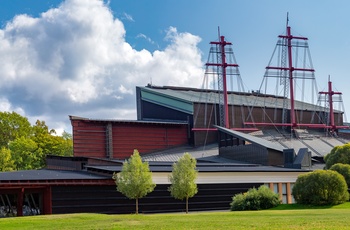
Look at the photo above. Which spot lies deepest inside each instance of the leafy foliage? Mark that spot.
(320, 187)
(339, 154)
(183, 179)
(344, 170)
(6, 161)
(12, 126)
(25, 147)
(49, 143)
(135, 179)
(26, 154)
(255, 199)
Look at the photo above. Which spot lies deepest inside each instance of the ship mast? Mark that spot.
(291, 69)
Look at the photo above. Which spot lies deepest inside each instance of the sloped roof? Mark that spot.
(155, 122)
(47, 174)
(203, 167)
(193, 95)
(252, 139)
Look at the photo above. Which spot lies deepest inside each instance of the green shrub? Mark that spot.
(344, 170)
(255, 199)
(320, 187)
(339, 154)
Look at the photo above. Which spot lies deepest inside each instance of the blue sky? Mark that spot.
(85, 57)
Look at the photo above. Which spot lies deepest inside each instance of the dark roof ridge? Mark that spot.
(180, 88)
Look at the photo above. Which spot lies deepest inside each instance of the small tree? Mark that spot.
(320, 187)
(183, 179)
(135, 179)
(344, 170)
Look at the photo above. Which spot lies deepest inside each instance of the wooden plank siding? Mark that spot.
(90, 137)
(105, 199)
(146, 138)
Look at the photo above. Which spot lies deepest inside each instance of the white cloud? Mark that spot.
(146, 38)
(124, 90)
(128, 17)
(74, 60)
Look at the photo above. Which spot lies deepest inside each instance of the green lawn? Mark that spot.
(283, 217)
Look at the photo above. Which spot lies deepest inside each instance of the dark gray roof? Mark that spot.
(174, 154)
(252, 139)
(194, 95)
(153, 122)
(203, 167)
(46, 174)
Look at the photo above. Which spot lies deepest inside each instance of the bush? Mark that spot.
(255, 199)
(339, 154)
(320, 187)
(344, 170)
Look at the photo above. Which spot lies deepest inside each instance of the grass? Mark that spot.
(282, 217)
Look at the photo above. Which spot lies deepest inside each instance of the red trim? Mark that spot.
(235, 129)
(296, 125)
(204, 129)
(245, 129)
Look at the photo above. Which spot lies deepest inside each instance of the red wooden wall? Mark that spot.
(90, 137)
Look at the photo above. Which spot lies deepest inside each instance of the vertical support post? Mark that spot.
(109, 141)
(291, 85)
(224, 65)
(280, 190)
(20, 196)
(289, 193)
(47, 200)
(330, 95)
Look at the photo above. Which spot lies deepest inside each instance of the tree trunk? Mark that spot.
(186, 205)
(137, 206)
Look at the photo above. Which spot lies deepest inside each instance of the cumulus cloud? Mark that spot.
(74, 60)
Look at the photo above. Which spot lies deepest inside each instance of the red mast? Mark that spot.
(330, 94)
(222, 82)
(291, 69)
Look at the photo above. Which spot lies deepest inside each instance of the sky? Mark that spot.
(86, 57)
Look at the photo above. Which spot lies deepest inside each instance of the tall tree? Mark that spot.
(135, 179)
(183, 179)
(6, 161)
(50, 143)
(12, 126)
(28, 145)
(26, 154)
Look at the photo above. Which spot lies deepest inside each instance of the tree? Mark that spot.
(135, 179)
(339, 154)
(320, 187)
(183, 179)
(6, 161)
(344, 170)
(51, 144)
(12, 126)
(29, 145)
(26, 154)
